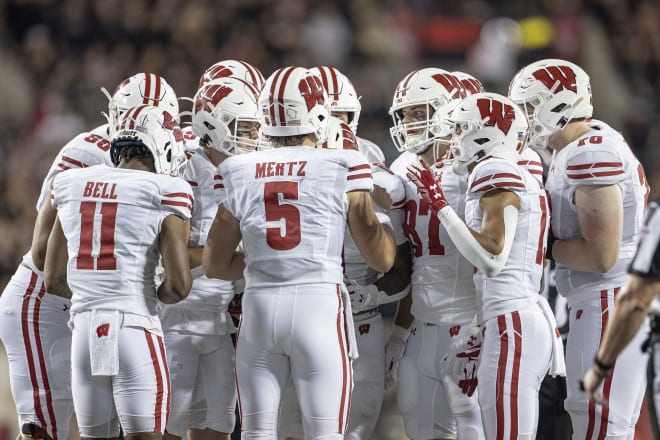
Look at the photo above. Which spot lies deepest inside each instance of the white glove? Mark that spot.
(394, 350)
(362, 297)
(462, 359)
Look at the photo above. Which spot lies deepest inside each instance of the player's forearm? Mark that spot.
(230, 270)
(169, 294)
(57, 285)
(584, 256)
(195, 256)
(379, 248)
(630, 310)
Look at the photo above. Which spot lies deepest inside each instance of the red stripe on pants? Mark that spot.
(158, 411)
(28, 350)
(344, 368)
(501, 374)
(515, 374)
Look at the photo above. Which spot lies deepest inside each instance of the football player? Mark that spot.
(598, 192)
(442, 301)
(290, 206)
(503, 236)
(39, 359)
(112, 226)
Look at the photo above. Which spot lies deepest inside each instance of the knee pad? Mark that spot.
(34, 431)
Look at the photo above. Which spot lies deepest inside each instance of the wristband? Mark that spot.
(602, 366)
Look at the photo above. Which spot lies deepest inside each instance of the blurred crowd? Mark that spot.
(56, 54)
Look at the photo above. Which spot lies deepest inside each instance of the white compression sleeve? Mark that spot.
(467, 245)
(384, 298)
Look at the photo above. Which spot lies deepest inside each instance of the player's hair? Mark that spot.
(290, 141)
(128, 148)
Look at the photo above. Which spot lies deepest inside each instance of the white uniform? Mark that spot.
(112, 218)
(518, 338)
(368, 369)
(531, 161)
(198, 329)
(599, 157)
(38, 353)
(443, 300)
(292, 206)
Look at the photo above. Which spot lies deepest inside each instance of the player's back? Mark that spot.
(599, 157)
(111, 218)
(292, 209)
(519, 281)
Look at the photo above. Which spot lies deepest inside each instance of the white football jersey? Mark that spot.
(519, 281)
(599, 157)
(371, 151)
(531, 161)
(85, 150)
(442, 285)
(292, 208)
(111, 218)
(207, 293)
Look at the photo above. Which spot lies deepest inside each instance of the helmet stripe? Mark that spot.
(250, 70)
(280, 95)
(135, 115)
(404, 86)
(324, 78)
(271, 100)
(147, 89)
(250, 87)
(335, 85)
(156, 99)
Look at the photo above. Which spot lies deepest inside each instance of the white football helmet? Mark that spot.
(293, 102)
(156, 130)
(341, 93)
(140, 89)
(552, 92)
(485, 124)
(235, 68)
(471, 85)
(219, 107)
(340, 135)
(431, 88)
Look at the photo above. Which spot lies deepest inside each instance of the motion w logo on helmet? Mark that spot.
(210, 96)
(496, 113)
(450, 83)
(312, 90)
(557, 78)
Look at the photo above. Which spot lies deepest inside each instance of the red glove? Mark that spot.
(428, 186)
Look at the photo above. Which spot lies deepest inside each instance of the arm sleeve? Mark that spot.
(647, 259)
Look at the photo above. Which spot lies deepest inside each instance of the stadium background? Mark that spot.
(55, 56)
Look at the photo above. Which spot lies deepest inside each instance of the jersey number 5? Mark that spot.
(106, 259)
(277, 212)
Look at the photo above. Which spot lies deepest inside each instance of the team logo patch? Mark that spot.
(102, 330)
(364, 328)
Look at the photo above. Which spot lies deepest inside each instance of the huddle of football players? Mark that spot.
(151, 238)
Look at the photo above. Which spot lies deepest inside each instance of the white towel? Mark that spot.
(557, 363)
(350, 327)
(103, 342)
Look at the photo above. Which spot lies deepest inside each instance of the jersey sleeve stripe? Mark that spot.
(364, 166)
(382, 167)
(217, 177)
(596, 174)
(495, 185)
(218, 186)
(180, 194)
(192, 183)
(586, 166)
(72, 161)
(528, 163)
(399, 203)
(535, 171)
(494, 177)
(359, 176)
(64, 167)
